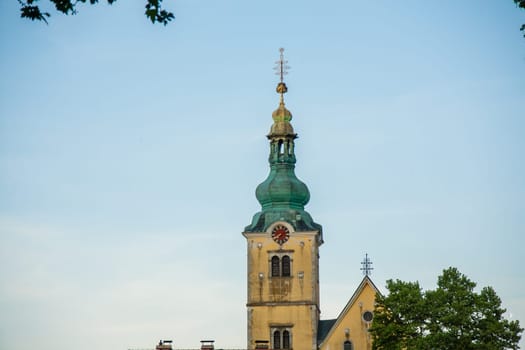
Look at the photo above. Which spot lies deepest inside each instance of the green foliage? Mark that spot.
(401, 315)
(29, 9)
(156, 14)
(451, 317)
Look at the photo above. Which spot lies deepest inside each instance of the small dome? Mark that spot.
(281, 129)
(281, 117)
(281, 114)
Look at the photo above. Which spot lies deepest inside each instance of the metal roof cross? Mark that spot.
(281, 66)
(367, 266)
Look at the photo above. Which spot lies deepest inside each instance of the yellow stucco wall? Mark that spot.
(297, 319)
(351, 319)
(289, 302)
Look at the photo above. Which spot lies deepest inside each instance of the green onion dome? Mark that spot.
(282, 189)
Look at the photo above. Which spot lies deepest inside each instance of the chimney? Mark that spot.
(164, 345)
(207, 344)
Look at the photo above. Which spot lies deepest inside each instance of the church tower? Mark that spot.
(283, 248)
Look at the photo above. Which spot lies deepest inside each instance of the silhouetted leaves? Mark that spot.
(32, 12)
(156, 14)
(29, 10)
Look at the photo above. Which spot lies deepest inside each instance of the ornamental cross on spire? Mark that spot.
(281, 66)
(367, 266)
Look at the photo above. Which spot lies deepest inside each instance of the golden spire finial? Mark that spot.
(281, 68)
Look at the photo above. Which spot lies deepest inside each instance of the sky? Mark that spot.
(130, 154)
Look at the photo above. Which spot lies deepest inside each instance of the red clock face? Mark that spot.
(280, 234)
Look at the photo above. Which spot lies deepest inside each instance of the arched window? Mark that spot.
(348, 345)
(286, 340)
(275, 266)
(286, 265)
(276, 340)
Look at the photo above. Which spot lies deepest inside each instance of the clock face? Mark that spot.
(280, 234)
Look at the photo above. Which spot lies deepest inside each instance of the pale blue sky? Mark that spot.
(130, 152)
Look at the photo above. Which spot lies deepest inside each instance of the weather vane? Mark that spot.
(281, 66)
(367, 268)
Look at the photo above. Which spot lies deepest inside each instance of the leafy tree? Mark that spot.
(451, 317)
(521, 4)
(401, 316)
(29, 9)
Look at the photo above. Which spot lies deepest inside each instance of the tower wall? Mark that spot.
(283, 302)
